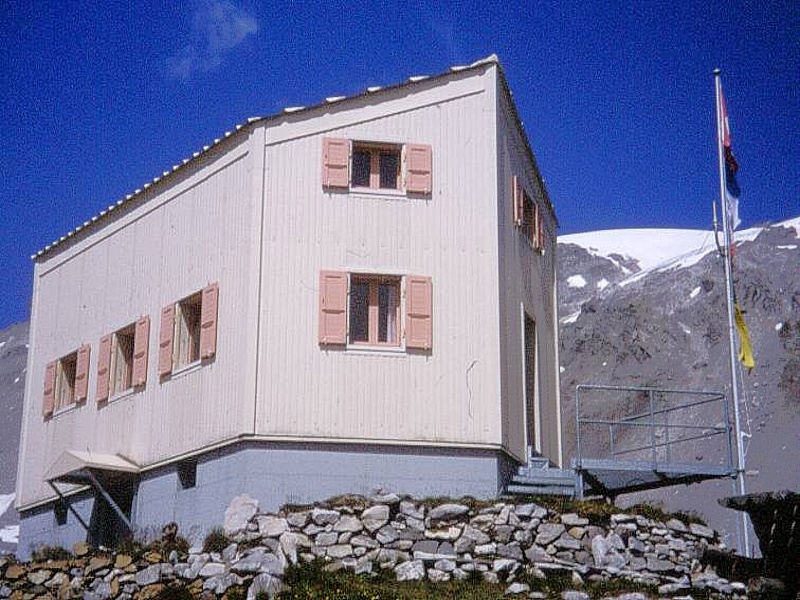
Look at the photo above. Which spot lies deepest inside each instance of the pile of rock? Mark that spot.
(501, 542)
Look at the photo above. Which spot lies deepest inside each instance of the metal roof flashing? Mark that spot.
(237, 129)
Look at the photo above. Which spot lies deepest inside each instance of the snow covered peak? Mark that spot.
(658, 248)
(650, 248)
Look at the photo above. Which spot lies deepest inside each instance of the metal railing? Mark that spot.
(657, 426)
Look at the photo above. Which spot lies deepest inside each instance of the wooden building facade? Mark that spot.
(353, 296)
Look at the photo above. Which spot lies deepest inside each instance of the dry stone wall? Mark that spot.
(502, 542)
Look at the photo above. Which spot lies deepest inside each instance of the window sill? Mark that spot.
(186, 369)
(375, 192)
(376, 350)
(66, 409)
(122, 395)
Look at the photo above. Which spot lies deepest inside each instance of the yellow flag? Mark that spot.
(745, 347)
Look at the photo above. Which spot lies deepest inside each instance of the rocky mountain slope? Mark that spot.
(647, 308)
(13, 356)
(638, 308)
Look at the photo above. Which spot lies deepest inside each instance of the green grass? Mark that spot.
(311, 581)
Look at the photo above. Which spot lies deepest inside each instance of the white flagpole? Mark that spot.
(743, 537)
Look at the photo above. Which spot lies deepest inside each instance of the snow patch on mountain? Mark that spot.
(10, 534)
(650, 248)
(655, 250)
(6, 500)
(576, 281)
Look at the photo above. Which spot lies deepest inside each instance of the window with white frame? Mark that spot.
(364, 309)
(376, 167)
(66, 381)
(122, 360)
(350, 164)
(374, 310)
(188, 330)
(528, 216)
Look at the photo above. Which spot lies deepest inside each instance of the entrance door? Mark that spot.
(531, 398)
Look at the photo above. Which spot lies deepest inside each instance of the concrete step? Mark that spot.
(538, 490)
(525, 472)
(524, 480)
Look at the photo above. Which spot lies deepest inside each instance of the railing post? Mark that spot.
(652, 428)
(726, 418)
(578, 427)
(611, 440)
(667, 447)
(578, 471)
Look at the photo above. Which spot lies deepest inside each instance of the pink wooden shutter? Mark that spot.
(141, 340)
(332, 307)
(516, 194)
(419, 312)
(82, 374)
(419, 169)
(165, 339)
(103, 368)
(208, 321)
(335, 162)
(49, 397)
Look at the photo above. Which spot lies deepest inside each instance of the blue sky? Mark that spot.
(617, 101)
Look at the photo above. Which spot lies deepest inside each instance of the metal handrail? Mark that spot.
(614, 426)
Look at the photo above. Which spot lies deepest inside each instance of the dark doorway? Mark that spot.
(106, 528)
(531, 410)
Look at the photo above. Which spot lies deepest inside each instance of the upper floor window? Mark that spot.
(188, 330)
(66, 381)
(375, 165)
(528, 216)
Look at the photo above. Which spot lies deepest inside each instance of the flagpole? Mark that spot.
(743, 537)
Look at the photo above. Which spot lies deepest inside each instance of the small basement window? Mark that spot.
(60, 512)
(376, 166)
(187, 474)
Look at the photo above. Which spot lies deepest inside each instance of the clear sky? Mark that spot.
(617, 98)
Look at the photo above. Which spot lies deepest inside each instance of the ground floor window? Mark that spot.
(381, 310)
(374, 309)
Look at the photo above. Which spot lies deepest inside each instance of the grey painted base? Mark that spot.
(275, 474)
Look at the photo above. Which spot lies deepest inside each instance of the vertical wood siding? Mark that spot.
(527, 283)
(191, 233)
(254, 217)
(447, 395)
